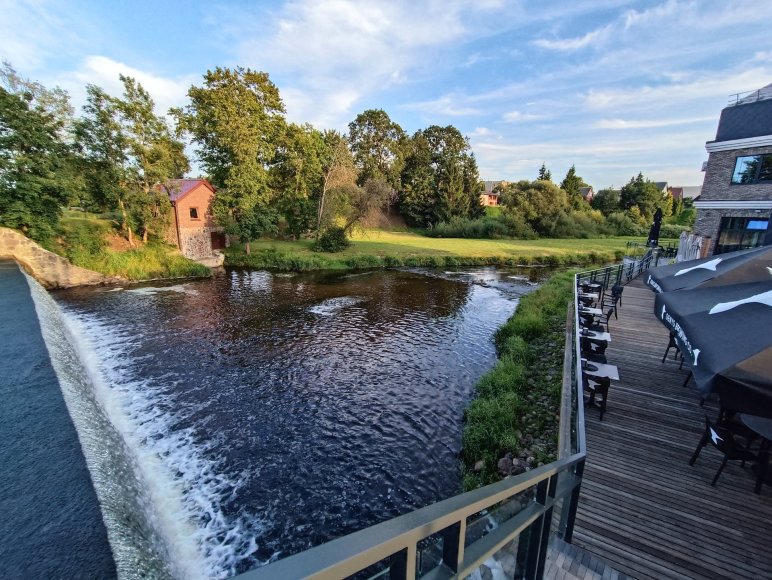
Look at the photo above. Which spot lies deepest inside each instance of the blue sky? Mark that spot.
(612, 86)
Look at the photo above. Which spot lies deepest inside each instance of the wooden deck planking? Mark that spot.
(643, 509)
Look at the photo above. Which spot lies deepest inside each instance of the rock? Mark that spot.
(479, 465)
(485, 572)
(510, 466)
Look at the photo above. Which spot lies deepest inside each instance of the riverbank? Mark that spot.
(379, 249)
(512, 424)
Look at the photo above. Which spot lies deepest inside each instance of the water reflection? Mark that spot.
(322, 402)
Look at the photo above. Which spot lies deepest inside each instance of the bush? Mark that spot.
(333, 239)
(620, 224)
(672, 230)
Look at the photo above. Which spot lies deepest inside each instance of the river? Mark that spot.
(263, 413)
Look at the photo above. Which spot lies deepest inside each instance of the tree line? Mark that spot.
(118, 152)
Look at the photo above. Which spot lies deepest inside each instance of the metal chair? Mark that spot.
(673, 344)
(597, 389)
(722, 438)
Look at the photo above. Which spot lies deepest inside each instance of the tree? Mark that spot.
(53, 102)
(378, 147)
(544, 173)
(540, 203)
(236, 118)
(339, 175)
(606, 201)
(645, 195)
(129, 152)
(297, 176)
(572, 185)
(440, 179)
(32, 155)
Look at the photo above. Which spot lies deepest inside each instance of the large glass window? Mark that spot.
(752, 169)
(739, 233)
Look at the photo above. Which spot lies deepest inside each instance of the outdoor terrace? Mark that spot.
(643, 510)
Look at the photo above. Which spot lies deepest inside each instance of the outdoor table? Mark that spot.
(593, 311)
(762, 426)
(591, 285)
(595, 369)
(590, 295)
(595, 335)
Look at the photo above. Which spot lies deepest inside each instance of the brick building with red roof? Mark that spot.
(193, 230)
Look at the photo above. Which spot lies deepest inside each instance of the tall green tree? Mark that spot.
(339, 176)
(378, 145)
(540, 203)
(236, 119)
(644, 194)
(440, 179)
(572, 185)
(129, 152)
(544, 173)
(32, 156)
(606, 201)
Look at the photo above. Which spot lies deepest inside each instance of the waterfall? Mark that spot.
(143, 530)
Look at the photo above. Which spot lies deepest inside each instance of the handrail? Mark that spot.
(394, 544)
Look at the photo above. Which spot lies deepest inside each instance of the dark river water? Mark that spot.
(265, 413)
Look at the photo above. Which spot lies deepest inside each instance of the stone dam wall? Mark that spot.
(50, 270)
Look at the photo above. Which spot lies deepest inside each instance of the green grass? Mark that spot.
(516, 408)
(377, 248)
(83, 241)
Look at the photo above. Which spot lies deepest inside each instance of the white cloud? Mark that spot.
(516, 116)
(448, 106)
(592, 38)
(480, 132)
(648, 123)
(104, 72)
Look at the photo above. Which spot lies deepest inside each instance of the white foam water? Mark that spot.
(160, 492)
(332, 305)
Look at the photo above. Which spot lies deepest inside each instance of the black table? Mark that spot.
(763, 427)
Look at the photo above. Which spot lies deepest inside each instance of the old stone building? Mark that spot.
(735, 205)
(193, 230)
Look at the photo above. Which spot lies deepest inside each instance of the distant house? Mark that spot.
(662, 186)
(193, 230)
(588, 193)
(684, 192)
(488, 197)
(734, 209)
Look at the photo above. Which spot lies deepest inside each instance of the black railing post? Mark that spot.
(538, 532)
(453, 545)
(573, 504)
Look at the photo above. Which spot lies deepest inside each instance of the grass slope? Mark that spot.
(516, 408)
(83, 241)
(377, 248)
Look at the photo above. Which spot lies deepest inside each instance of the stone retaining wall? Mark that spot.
(51, 270)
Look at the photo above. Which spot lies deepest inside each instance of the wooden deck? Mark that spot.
(643, 509)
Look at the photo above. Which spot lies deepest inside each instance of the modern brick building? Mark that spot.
(735, 205)
(193, 230)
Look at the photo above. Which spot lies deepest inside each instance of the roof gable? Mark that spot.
(179, 188)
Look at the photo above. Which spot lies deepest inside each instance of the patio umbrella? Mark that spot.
(725, 334)
(733, 268)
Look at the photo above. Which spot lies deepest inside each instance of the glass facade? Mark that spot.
(740, 233)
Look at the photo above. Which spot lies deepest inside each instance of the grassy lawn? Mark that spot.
(374, 248)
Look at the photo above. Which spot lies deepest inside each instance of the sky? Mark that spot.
(614, 87)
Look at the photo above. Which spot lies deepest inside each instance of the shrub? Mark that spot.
(333, 239)
(672, 230)
(620, 224)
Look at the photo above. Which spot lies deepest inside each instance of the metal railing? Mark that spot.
(750, 96)
(453, 537)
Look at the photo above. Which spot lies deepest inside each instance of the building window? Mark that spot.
(740, 233)
(752, 169)
(194, 213)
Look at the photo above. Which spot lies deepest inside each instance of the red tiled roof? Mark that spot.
(179, 188)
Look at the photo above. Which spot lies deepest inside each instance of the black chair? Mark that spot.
(611, 301)
(593, 350)
(722, 438)
(673, 344)
(616, 291)
(597, 390)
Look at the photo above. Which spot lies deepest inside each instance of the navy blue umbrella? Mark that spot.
(725, 335)
(754, 265)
